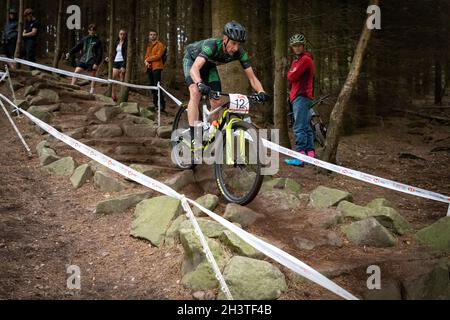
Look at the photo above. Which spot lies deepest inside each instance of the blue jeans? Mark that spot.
(304, 136)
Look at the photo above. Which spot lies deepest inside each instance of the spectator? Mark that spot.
(92, 54)
(10, 34)
(30, 36)
(301, 78)
(120, 60)
(154, 65)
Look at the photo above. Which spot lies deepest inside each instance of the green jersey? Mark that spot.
(212, 51)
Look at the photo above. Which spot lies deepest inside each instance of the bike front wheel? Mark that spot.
(238, 164)
(181, 152)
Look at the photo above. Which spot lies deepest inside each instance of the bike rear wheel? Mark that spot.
(238, 165)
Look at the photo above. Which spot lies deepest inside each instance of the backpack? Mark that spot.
(165, 56)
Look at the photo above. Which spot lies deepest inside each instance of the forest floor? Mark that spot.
(46, 225)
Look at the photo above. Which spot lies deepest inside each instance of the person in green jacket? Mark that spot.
(92, 54)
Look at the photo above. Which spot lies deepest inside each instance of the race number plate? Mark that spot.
(239, 104)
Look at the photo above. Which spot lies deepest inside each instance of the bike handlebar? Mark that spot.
(217, 94)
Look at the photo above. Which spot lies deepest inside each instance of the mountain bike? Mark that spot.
(233, 144)
(319, 128)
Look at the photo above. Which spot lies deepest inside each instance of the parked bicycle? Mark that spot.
(319, 128)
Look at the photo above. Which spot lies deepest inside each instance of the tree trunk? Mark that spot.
(131, 49)
(231, 74)
(18, 52)
(264, 54)
(111, 44)
(172, 43)
(280, 83)
(8, 5)
(336, 118)
(58, 35)
(207, 19)
(437, 83)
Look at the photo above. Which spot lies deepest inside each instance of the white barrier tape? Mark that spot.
(206, 250)
(3, 76)
(293, 263)
(279, 255)
(101, 158)
(63, 72)
(133, 175)
(137, 86)
(16, 129)
(178, 102)
(389, 184)
(8, 60)
(360, 175)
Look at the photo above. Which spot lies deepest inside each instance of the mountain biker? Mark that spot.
(200, 67)
(301, 77)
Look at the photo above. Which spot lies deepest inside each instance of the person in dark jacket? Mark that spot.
(301, 78)
(120, 60)
(10, 34)
(92, 54)
(30, 36)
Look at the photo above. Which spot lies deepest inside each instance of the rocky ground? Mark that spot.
(59, 209)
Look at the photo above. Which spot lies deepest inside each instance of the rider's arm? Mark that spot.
(254, 81)
(195, 69)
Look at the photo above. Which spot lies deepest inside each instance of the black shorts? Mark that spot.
(85, 66)
(209, 74)
(119, 65)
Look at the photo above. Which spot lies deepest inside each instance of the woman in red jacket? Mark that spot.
(301, 78)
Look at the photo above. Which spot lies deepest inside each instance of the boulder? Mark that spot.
(379, 202)
(437, 235)
(47, 156)
(147, 170)
(62, 167)
(172, 234)
(22, 104)
(196, 270)
(130, 107)
(81, 175)
(323, 197)
(251, 279)
(238, 246)
(242, 215)
(153, 218)
(102, 98)
(107, 183)
(30, 90)
(369, 232)
(41, 115)
(105, 114)
(391, 219)
(208, 201)
(353, 211)
(281, 183)
(210, 228)
(120, 204)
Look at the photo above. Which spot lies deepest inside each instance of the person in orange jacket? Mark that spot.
(154, 65)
